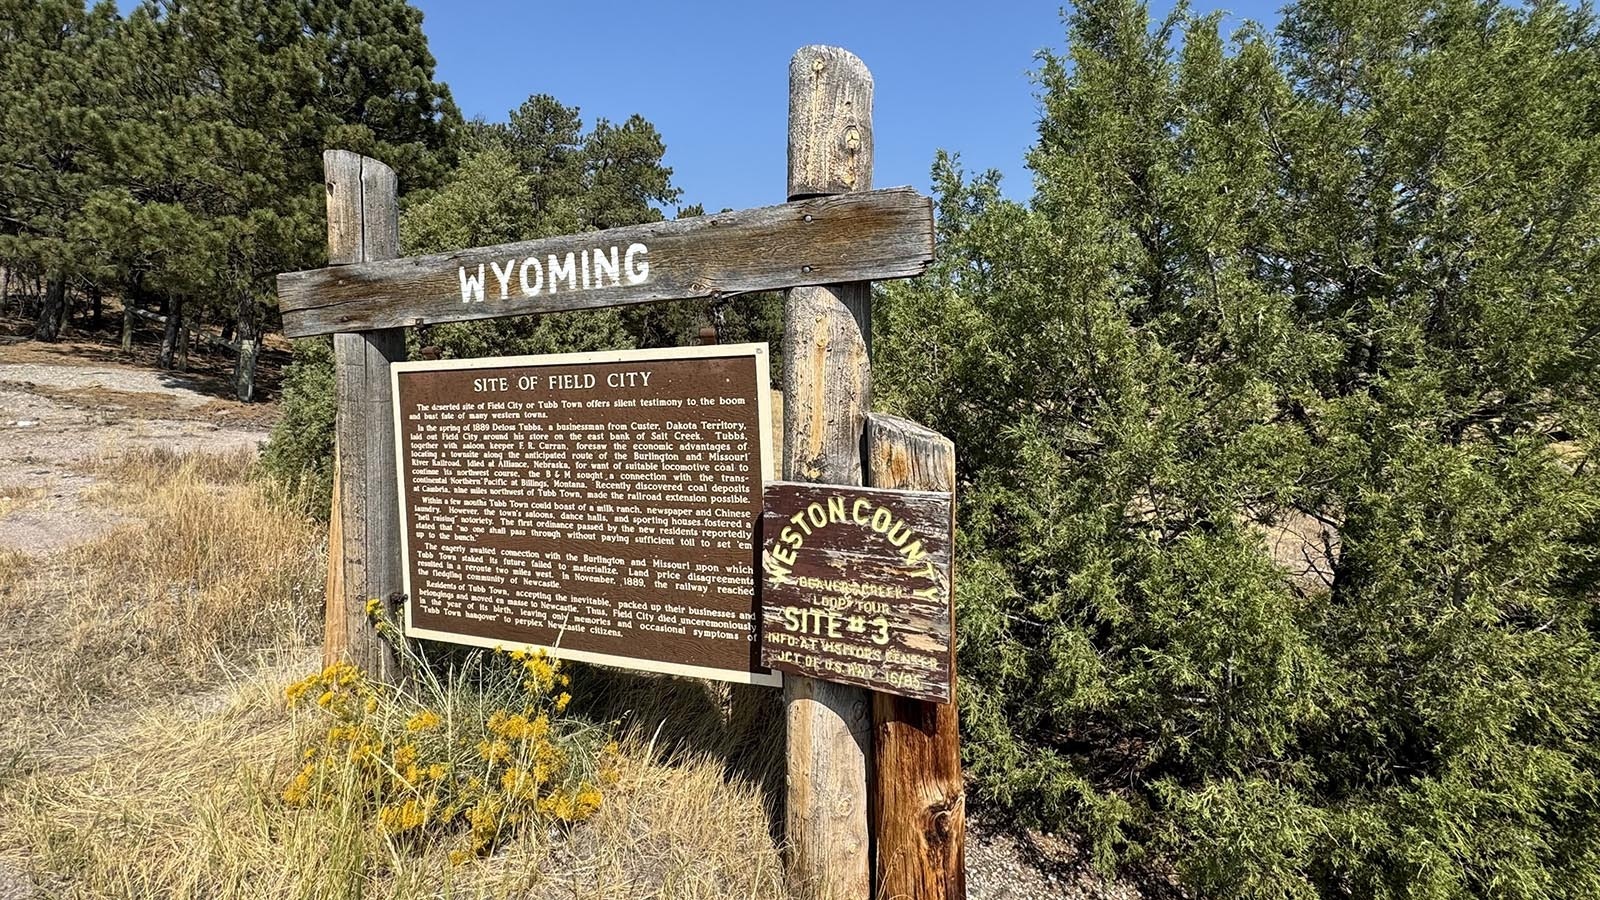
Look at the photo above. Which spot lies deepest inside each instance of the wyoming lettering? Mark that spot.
(581, 270)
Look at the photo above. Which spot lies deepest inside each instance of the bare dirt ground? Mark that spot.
(62, 410)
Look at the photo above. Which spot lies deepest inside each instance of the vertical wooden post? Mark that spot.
(364, 226)
(333, 621)
(919, 803)
(828, 386)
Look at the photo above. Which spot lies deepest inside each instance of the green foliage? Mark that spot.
(300, 452)
(50, 91)
(176, 153)
(537, 175)
(1276, 409)
(492, 199)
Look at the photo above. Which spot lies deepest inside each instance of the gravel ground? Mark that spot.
(1003, 864)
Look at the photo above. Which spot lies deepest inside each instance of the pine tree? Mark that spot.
(50, 94)
(539, 174)
(209, 159)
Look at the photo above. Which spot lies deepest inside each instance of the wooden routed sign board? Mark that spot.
(602, 506)
(821, 240)
(855, 587)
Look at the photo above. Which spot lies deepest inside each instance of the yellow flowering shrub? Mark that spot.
(470, 755)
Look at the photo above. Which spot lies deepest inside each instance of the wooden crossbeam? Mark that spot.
(871, 235)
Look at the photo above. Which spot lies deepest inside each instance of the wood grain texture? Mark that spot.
(363, 226)
(341, 171)
(830, 122)
(919, 802)
(827, 385)
(878, 235)
(333, 630)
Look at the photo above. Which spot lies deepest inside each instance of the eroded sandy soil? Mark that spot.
(61, 413)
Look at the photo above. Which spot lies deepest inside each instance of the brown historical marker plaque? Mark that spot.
(855, 587)
(602, 506)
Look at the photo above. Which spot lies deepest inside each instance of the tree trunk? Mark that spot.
(181, 359)
(227, 332)
(5, 287)
(244, 364)
(63, 311)
(96, 306)
(827, 383)
(55, 297)
(127, 323)
(169, 335)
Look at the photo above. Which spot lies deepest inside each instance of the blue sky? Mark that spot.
(713, 76)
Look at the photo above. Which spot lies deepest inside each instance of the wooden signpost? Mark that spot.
(606, 505)
(883, 234)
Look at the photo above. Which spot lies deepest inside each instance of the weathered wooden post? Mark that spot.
(919, 802)
(827, 384)
(364, 226)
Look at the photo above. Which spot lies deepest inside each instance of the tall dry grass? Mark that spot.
(151, 740)
(185, 805)
(210, 571)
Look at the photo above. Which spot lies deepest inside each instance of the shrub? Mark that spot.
(473, 755)
(1275, 411)
(300, 452)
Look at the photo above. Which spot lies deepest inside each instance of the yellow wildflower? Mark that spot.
(520, 783)
(427, 720)
(405, 755)
(298, 790)
(373, 606)
(588, 800)
(557, 806)
(562, 700)
(413, 813)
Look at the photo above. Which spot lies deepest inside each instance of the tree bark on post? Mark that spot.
(364, 226)
(828, 385)
(919, 801)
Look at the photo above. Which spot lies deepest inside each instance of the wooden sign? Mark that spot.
(854, 237)
(855, 587)
(602, 506)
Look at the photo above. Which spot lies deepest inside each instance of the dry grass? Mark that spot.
(211, 568)
(185, 804)
(145, 672)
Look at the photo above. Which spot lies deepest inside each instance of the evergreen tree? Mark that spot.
(50, 95)
(539, 174)
(208, 164)
(1275, 411)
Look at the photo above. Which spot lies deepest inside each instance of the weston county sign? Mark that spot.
(856, 587)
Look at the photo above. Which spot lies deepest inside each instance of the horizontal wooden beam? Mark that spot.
(867, 236)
